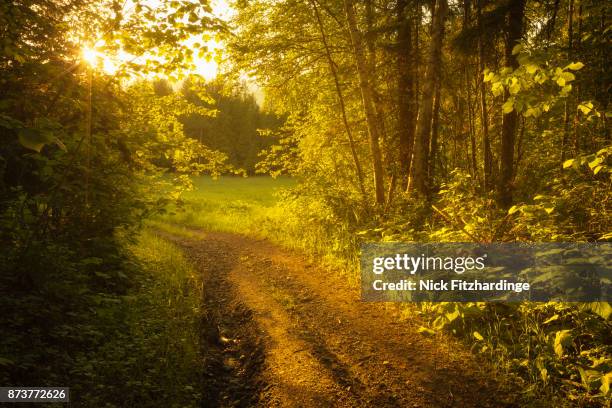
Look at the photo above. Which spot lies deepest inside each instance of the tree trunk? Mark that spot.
(367, 96)
(332, 68)
(570, 43)
(468, 87)
(406, 98)
(550, 28)
(420, 180)
(484, 116)
(435, 123)
(387, 156)
(514, 31)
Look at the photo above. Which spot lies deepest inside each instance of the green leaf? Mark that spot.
(478, 336)
(513, 209)
(453, 315)
(603, 309)
(540, 78)
(595, 162)
(561, 81)
(508, 106)
(605, 383)
(563, 338)
(575, 66)
(439, 323)
(515, 87)
(426, 331)
(589, 378)
(551, 319)
(517, 49)
(568, 76)
(586, 107)
(568, 163)
(607, 235)
(33, 139)
(544, 374)
(497, 88)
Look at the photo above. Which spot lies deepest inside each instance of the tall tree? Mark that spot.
(367, 96)
(435, 127)
(484, 115)
(334, 72)
(513, 34)
(570, 46)
(468, 88)
(420, 179)
(406, 91)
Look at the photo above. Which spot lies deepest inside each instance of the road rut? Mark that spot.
(281, 331)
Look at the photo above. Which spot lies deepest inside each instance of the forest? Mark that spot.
(186, 185)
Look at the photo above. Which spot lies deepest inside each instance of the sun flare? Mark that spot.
(91, 56)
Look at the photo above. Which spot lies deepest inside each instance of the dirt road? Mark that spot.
(281, 331)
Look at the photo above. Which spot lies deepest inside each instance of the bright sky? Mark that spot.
(206, 68)
(209, 69)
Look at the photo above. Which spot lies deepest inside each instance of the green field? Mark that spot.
(260, 207)
(231, 204)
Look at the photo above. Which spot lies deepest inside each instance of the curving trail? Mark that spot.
(283, 332)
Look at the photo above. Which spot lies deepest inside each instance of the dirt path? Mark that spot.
(282, 332)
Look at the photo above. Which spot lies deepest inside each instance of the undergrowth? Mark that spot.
(153, 356)
(130, 338)
(557, 353)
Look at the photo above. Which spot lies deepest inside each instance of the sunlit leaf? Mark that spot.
(508, 106)
(551, 319)
(568, 163)
(517, 49)
(426, 331)
(563, 339)
(586, 107)
(575, 66)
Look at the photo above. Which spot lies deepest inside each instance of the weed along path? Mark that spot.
(283, 332)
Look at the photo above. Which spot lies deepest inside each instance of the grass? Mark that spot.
(231, 204)
(151, 355)
(254, 206)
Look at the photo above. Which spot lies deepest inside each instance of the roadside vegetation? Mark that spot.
(149, 351)
(131, 337)
(556, 353)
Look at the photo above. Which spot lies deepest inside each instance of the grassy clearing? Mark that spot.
(255, 206)
(231, 204)
(153, 356)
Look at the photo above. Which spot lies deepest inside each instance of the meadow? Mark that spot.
(230, 204)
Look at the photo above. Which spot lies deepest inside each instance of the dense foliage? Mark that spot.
(240, 129)
(481, 121)
(82, 153)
